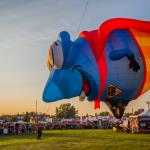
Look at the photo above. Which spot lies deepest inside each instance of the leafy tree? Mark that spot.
(87, 115)
(128, 114)
(26, 117)
(66, 111)
(139, 111)
(104, 113)
(14, 118)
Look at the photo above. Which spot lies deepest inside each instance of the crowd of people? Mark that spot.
(71, 125)
(130, 124)
(17, 128)
(30, 128)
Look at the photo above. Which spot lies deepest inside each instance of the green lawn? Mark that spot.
(77, 139)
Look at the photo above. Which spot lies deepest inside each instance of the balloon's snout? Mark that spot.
(62, 84)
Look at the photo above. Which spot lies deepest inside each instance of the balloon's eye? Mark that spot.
(50, 62)
(56, 43)
(55, 56)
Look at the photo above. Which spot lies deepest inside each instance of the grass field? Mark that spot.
(77, 140)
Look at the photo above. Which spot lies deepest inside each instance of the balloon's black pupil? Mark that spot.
(56, 44)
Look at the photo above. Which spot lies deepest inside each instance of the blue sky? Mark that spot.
(27, 27)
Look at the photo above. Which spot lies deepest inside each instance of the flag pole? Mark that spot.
(36, 113)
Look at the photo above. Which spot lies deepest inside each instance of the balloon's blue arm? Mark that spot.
(125, 51)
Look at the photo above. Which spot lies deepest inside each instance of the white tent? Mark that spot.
(145, 113)
(144, 121)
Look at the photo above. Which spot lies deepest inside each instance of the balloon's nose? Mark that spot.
(62, 84)
(51, 92)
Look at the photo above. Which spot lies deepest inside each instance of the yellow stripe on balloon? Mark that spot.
(147, 77)
(143, 39)
(147, 82)
(146, 51)
(146, 87)
(139, 33)
(147, 64)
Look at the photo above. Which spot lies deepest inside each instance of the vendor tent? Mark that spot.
(144, 121)
(145, 113)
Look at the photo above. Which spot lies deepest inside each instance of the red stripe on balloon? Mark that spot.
(92, 38)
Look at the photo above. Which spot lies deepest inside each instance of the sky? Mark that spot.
(28, 27)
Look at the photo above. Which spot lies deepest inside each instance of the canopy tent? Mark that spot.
(145, 113)
(144, 121)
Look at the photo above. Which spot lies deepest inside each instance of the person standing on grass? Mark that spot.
(39, 131)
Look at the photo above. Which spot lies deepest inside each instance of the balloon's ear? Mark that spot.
(64, 37)
(66, 44)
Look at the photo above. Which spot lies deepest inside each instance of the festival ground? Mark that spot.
(77, 139)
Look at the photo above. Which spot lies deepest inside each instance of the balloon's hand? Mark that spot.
(133, 63)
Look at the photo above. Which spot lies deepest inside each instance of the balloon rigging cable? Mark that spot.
(82, 16)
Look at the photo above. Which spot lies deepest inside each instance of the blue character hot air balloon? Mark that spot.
(111, 63)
